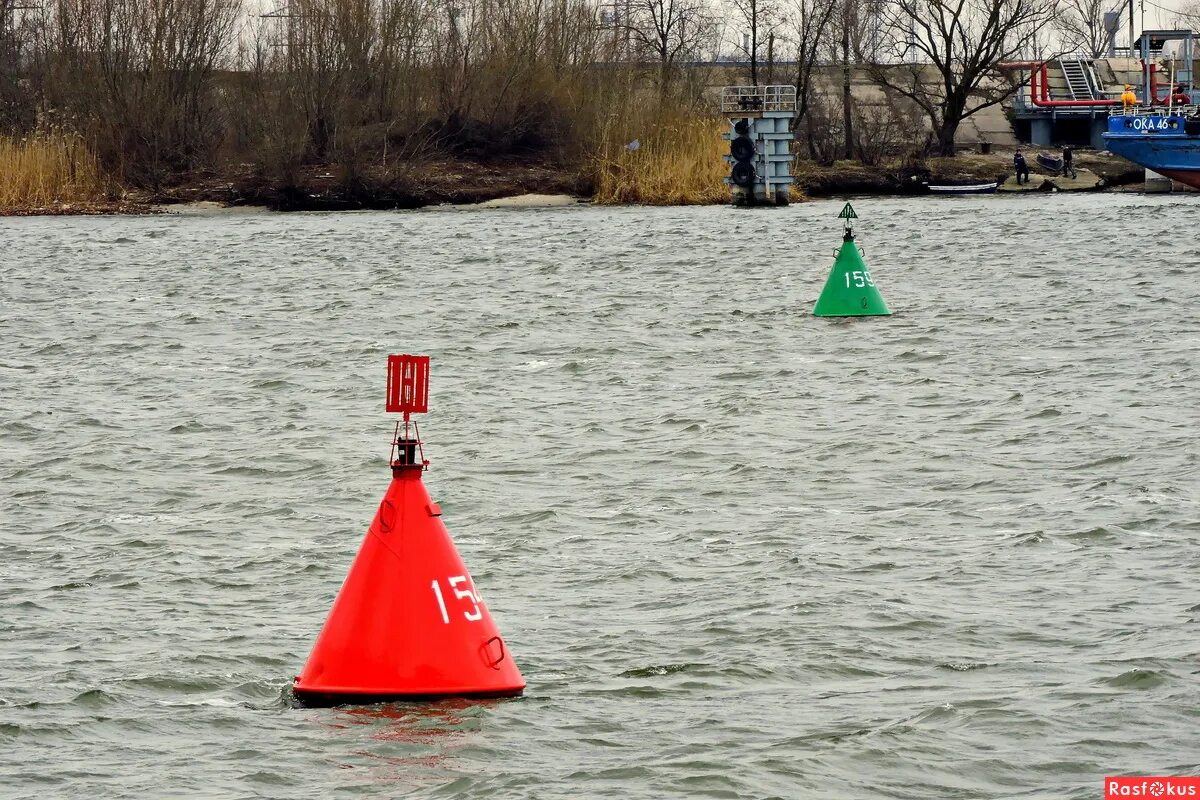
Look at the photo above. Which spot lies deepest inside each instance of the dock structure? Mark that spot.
(1069, 99)
(760, 143)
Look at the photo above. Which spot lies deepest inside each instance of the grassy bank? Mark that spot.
(677, 163)
(680, 163)
(50, 171)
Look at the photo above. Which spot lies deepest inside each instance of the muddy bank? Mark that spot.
(1097, 171)
(465, 183)
(94, 208)
(333, 188)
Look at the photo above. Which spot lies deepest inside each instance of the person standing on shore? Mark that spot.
(1021, 167)
(1069, 162)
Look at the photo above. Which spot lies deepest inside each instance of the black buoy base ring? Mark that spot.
(331, 700)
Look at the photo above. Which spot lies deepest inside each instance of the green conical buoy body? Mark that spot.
(850, 290)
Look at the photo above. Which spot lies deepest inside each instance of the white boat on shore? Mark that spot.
(973, 188)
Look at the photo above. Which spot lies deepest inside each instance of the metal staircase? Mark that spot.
(1082, 81)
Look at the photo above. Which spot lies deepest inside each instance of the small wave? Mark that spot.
(142, 519)
(276, 383)
(94, 698)
(1136, 679)
(912, 356)
(205, 702)
(532, 366)
(1091, 534)
(1027, 538)
(245, 472)
(657, 670)
(1101, 462)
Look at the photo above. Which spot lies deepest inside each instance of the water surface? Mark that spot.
(738, 552)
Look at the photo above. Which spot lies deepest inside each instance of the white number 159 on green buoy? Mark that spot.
(861, 278)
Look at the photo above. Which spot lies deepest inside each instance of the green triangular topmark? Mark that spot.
(848, 213)
(850, 290)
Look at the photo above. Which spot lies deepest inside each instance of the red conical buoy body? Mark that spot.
(408, 623)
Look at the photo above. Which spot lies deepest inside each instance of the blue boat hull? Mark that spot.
(1158, 142)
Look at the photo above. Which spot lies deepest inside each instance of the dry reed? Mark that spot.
(46, 170)
(678, 162)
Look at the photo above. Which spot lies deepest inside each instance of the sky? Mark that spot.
(1158, 13)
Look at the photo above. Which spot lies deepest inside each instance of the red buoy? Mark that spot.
(408, 623)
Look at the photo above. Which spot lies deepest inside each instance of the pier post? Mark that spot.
(760, 139)
(1041, 132)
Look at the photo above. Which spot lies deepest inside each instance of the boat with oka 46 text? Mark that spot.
(1165, 140)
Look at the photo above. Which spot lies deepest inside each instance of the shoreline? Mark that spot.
(522, 185)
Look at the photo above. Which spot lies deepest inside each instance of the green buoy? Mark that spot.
(850, 290)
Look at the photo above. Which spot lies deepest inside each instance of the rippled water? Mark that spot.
(736, 550)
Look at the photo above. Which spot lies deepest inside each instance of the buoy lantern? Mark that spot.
(409, 622)
(850, 291)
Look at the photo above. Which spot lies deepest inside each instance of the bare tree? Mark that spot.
(670, 31)
(1188, 15)
(138, 76)
(1080, 24)
(852, 37)
(1040, 42)
(15, 111)
(847, 20)
(761, 18)
(810, 21)
(960, 43)
(155, 89)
